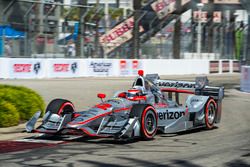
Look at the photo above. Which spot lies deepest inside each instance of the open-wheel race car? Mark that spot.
(139, 112)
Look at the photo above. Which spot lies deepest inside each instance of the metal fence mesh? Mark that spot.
(64, 40)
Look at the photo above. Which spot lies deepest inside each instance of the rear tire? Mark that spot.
(210, 113)
(60, 107)
(147, 117)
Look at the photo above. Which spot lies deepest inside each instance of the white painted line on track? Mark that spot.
(68, 138)
(40, 141)
(48, 141)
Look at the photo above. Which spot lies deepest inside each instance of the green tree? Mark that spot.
(92, 15)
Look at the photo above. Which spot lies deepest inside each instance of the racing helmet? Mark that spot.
(139, 85)
(136, 90)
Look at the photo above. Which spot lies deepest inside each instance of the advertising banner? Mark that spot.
(26, 68)
(100, 67)
(130, 67)
(118, 35)
(214, 67)
(136, 65)
(163, 7)
(200, 16)
(236, 66)
(124, 66)
(225, 66)
(63, 68)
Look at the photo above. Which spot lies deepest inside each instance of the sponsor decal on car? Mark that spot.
(115, 100)
(170, 115)
(176, 84)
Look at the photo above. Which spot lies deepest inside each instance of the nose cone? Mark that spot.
(81, 120)
(70, 125)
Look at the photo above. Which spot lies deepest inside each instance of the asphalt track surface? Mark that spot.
(226, 145)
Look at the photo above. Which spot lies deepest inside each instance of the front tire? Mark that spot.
(210, 113)
(147, 117)
(60, 107)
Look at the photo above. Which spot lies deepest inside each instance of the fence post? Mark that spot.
(136, 35)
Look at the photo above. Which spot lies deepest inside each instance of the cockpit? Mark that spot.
(144, 90)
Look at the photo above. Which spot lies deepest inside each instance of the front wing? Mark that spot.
(55, 124)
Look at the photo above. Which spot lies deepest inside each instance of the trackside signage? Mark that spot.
(214, 66)
(236, 66)
(26, 68)
(136, 65)
(130, 67)
(64, 67)
(225, 66)
(100, 67)
(118, 35)
(163, 7)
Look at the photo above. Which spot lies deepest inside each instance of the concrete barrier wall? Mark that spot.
(178, 67)
(64, 68)
(245, 79)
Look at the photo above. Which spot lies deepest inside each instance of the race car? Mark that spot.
(139, 112)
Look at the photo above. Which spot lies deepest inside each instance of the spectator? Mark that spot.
(8, 49)
(71, 49)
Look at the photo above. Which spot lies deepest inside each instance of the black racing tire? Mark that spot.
(210, 113)
(60, 107)
(147, 118)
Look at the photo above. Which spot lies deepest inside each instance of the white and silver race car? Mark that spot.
(138, 112)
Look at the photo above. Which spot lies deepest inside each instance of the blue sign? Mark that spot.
(9, 32)
(76, 28)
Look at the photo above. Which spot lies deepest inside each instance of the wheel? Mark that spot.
(60, 107)
(148, 120)
(210, 113)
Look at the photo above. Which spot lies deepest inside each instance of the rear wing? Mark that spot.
(199, 87)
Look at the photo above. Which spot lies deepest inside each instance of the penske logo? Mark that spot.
(176, 84)
(170, 115)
